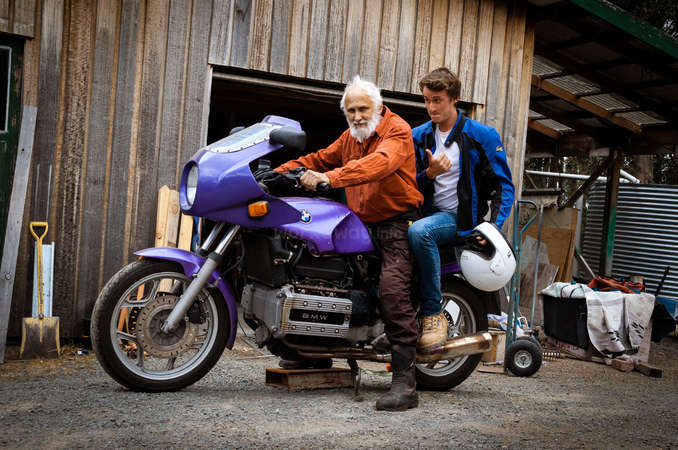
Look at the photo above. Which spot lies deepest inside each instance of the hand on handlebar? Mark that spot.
(311, 179)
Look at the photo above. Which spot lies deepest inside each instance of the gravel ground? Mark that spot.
(72, 403)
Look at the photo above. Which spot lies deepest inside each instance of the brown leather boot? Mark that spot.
(403, 394)
(433, 332)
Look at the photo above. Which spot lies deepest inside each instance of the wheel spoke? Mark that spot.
(140, 356)
(170, 364)
(154, 290)
(129, 337)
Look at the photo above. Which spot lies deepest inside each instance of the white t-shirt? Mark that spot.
(445, 185)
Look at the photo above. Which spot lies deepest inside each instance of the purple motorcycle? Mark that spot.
(303, 268)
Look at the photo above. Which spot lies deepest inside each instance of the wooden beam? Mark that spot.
(582, 103)
(610, 214)
(606, 82)
(587, 184)
(14, 219)
(543, 129)
(540, 108)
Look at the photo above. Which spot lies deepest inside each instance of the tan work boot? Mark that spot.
(433, 332)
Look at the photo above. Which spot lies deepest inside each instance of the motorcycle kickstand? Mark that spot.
(355, 373)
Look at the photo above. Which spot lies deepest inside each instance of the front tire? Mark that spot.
(125, 328)
(465, 312)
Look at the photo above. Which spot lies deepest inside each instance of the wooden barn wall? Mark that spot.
(488, 43)
(124, 96)
(124, 88)
(18, 17)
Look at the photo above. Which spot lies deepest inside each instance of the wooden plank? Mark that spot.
(299, 37)
(96, 158)
(494, 110)
(403, 71)
(43, 159)
(309, 378)
(161, 216)
(517, 160)
(369, 48)
(515, 41)
(354, 28)
(15, 217)
(467, 59)
(648, 370)
(240, 36)
(455, 18)
(4, 16)
(122, 148)
(220, 32)
(388, 44)
(261, 35)
(195, 116)
(185, 232)
(318, 38)
(336, 30)
(623, 365)
(280, 35)
(484, 45)
(422, 41)
(173, 218)
(145, 183)
(173, 93)
(438, 28)
(24, 18)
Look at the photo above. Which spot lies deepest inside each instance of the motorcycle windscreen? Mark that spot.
(328, 227)
(217, 182)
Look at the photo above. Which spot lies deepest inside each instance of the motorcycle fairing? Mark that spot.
(226, 184)
(327, 226)
(191, 263)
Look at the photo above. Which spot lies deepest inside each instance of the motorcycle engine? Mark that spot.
(306, 310)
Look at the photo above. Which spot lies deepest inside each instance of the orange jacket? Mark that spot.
(379, 174)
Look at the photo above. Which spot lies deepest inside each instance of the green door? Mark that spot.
(11, 56)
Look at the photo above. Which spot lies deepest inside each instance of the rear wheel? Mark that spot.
(126, 328)
(465, 312)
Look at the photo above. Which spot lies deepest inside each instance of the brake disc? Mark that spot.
(156, 342)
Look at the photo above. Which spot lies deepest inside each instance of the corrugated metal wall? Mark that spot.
(124, 97)
(646, 237)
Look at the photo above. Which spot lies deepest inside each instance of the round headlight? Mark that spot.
(192, 184)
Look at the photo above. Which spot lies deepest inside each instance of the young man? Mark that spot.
(461, 164)
(373, 160)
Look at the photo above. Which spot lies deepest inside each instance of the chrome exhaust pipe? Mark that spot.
(459, 346)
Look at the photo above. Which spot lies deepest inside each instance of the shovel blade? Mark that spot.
(40, 338)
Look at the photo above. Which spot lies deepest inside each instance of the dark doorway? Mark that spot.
(240, 99)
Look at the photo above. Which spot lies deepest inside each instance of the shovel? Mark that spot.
(39, 335)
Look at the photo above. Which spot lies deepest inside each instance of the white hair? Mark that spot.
(368, 87)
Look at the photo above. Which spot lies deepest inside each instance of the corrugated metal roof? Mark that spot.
(646, 235)
(643, 117)
(575, 85)
(542, 67)
(554, 125)
(611, 102)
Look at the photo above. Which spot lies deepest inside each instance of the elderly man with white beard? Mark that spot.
(373, 160)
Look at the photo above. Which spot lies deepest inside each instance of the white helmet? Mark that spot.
(491, 266)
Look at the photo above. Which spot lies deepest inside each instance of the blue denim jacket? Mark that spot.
(484, 171)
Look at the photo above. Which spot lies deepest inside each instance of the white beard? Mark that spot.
(364, 132)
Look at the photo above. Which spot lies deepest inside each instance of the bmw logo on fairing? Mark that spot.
(305, 216)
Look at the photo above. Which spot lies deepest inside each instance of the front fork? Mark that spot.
(202, 277)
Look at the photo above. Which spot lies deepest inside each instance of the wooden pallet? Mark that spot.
(309, 378)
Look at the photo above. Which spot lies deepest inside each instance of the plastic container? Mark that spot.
(565, 320)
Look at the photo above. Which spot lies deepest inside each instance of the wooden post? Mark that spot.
(14, 219)
(610, 216)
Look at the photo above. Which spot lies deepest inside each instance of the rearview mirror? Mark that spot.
(288, 137)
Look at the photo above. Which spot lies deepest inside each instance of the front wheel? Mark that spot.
(465, 312)
(126, 328)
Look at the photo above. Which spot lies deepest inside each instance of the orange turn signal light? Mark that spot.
(257, 209)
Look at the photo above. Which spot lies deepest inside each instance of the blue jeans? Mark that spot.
(425, 235)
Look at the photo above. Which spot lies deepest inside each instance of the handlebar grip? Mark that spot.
(322, 188)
